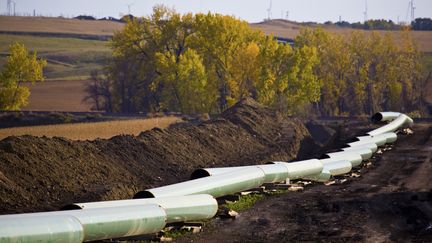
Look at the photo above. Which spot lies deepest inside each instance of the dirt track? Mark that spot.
(392, 201)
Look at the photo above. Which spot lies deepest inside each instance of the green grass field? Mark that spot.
(68, 58)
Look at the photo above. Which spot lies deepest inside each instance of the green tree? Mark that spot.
(365, 72)
(20, 67)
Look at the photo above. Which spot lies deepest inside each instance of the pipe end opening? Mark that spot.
(352, 140)
(70, 207)
(377, 117)
(324, 156)
(143, 194)
(199, 173)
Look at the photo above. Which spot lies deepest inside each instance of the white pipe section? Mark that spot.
(273, 172)
(384, 116)
(217, 186)
(331, 167)
(379, 141)
(372, 146)
(178, 208)
(54, 228)
(106, 223)
(390, 137)
(321, 177)
(365, 152)
(352, 156)
(300, 169)
(401, 121)
(336, 166)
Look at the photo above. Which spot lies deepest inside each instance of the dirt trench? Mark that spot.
(40, 174)
(390, 202)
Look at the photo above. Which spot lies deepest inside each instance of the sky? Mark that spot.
(249, 10)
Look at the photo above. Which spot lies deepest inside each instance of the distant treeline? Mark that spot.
(123, 19)
(373, 24)
(382, 24)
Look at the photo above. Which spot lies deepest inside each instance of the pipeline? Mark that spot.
(152, 209)
(177, 209)
(217, 186)
(96, 224)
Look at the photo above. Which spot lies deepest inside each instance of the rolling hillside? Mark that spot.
(58, 25)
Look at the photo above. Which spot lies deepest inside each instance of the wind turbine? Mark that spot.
(129, 8)
(366, 12)
(269, 11)
(411, 10)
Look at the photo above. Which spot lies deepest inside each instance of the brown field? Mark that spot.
(58, 96)
(281, 28)
(93, 130)
(288, 29)
(58, 25)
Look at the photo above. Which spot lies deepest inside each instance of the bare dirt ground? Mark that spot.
(58, 96)
(390, 202)
(39, 174)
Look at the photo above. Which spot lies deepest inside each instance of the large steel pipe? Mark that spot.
(217, 186)
(384, 116)
(353, 157)
(178, 208)
(53, 228)
(355, 145)
(331, 167)
(300, 169)
(336, 166)
(401, 121)
(273, 172)
(107, 223)
(378, 140)
(390, 137)
(365, 152)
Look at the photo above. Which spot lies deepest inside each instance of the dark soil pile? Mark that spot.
(38, 174)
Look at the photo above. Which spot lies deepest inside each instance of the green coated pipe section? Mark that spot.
(104, 223)
(217, 186)
(365, 152)
(54, 228)
(300, 169)
(273, 172)
(178, 208)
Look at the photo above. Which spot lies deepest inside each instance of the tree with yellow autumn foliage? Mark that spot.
(20, 67)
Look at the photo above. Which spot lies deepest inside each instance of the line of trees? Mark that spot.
(372, 24)
(207, 62)
(422, 24)
(382, 24)
(365, 72)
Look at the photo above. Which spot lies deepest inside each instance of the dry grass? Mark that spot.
(91, 131)
(58, 25)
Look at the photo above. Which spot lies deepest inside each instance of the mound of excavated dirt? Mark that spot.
(39, 174)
